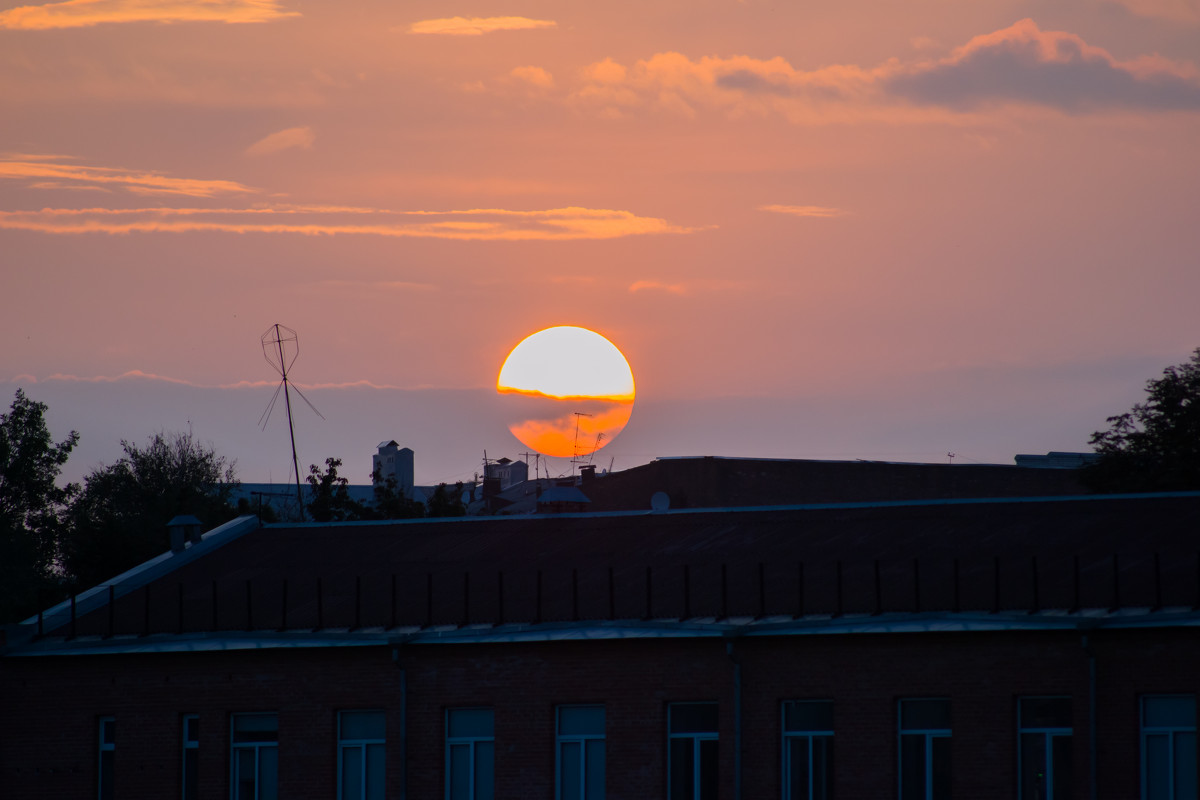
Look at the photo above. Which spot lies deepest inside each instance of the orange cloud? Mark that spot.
(805, 211)
(86, 13)
(287, 139)
(137, 374)
(50, 174)
(556, 436)
(493, 224)
(477, 26)
(1172, 10)
(535, 76)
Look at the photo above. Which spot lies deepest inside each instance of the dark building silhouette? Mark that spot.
(1030, 647)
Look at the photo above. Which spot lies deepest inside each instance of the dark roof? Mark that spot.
(1029, 554)
(712, 482)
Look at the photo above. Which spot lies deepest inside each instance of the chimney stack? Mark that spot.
(183, 530)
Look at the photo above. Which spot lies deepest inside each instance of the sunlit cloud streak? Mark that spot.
(534, 76)
(490, 224)
(86, 13)
(140, 375)
(1173, 10)
(477, 26)
(301, 138)
(1019, 64)
(670, 288)
(805, 211)
(49, 173)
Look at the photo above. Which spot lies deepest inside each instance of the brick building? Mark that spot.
(1029, 647)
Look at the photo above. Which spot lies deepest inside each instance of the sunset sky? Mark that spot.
(855, 229)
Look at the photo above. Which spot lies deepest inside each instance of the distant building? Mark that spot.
(1056, 460)
(396, 462)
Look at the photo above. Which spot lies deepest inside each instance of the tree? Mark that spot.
(1156, 445)
(331, 500)
(120, 517)
(445, 504)
(31, 505)
(390, 502)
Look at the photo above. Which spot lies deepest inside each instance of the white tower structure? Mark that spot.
(394, 461)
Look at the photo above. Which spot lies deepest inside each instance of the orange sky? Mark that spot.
(824, 229)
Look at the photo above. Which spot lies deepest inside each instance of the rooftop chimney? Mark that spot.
(183, 530)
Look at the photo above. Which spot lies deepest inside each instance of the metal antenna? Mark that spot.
(575, 448)
(280, 348)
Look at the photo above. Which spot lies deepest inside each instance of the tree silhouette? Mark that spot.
(31, 506)
(1156, 445)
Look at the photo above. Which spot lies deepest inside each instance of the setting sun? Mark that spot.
(570, 391)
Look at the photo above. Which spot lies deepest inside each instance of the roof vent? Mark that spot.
(183, 530)
(660, 501)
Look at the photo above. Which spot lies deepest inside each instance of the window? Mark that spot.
(1169, 747)
(580, 745)
(692, 751)
(470, 754)
(254, 760)
(191, 756)
(108, 750)
(361, 746)
(808, 750)
(1044, 747)
(925, 749)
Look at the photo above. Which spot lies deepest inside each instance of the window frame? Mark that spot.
(472, 741)
(697, 738)
(1170, 731)
(106, 751)
(1050, 733)
(257, 747)
(810, 735)
(582, 739)
(344, 743)
(929, 735)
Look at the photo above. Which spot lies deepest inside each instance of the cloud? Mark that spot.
(286, 139)
(1171, 10)
(1060, 70)
(805, 211)
(86, 13)
(1019, 64)
(535, 76)
(477, 26)
(139, 375)
(488, 224)
(46, 173)
(671, 288)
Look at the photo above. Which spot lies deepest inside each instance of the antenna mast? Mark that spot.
(575, 459)
(280, 346)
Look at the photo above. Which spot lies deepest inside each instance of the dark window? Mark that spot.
(361, 750)
(1169, 747)
(254, 757)
(925, 749)
(107, 752)
(692, 751)
(470, 754)
(1044, 733)
(580, 760)
(191, 756)
(808, 750)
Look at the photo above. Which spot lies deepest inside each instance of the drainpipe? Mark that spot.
(403, 724)
(1092, 766)
(737, 720)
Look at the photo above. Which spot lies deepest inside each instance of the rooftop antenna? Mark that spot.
(599, 439)
(280, 347)
(951, 456)
(575, 459)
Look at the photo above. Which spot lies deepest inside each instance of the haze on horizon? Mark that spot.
(860, 229)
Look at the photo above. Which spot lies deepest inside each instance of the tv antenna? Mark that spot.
(280, 347)
(575, 459)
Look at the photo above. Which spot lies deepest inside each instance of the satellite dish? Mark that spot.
(660, 501)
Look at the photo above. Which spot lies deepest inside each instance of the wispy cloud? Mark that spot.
(657, 286)
(86, 13)
(805, 211)
(1172, 10)
(489, 224)
(287, 139)
(477, 26)
(140, 375)
(47, 172)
